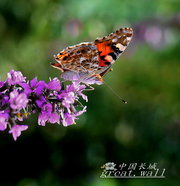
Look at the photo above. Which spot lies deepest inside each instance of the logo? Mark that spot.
(132, 170)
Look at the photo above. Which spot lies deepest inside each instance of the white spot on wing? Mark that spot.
(128, 38)
(109, 58)
(82, 59)
(95, 65)
(94, 58)
(121, 47)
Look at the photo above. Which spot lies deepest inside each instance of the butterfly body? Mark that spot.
(93, 59)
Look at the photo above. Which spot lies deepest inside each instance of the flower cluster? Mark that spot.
(54, 102)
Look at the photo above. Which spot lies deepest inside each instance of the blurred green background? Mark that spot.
(147, 75)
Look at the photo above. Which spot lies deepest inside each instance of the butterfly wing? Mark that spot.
(112, 46)
(78, 58)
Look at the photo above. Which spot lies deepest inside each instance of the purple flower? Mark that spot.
(54, 84)
(53, 104)
(33, 82)
(40, 87)
(15, 77)
(47, 108)
(3, 121)
(40, 101)
(81, 111)
(77, 88)
(4, 100)
(33, 86)
(69, 118)
(54, 118)
(37, 87)
(17, 129)
(18, 101)
(1, 84)
(45, 114)
(43, 118)
(48, 115)
(68, 98)
(26, 87)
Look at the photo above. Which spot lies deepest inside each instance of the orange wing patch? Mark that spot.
(104, 49)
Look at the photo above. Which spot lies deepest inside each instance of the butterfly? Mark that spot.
(88, 62)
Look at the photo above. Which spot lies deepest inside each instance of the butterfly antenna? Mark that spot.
(114, 92)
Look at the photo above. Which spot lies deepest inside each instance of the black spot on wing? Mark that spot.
(113, 55)
(116, 49)
(107, 63)
(83, 51)
(65, 58)
(102, 58)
